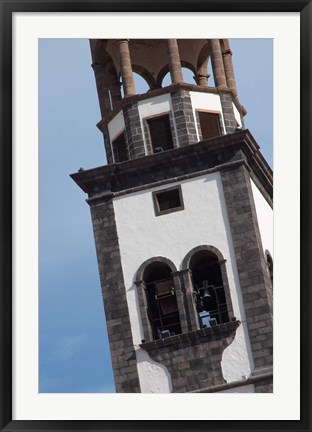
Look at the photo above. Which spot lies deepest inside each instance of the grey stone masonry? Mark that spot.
(228, 112)
(114, 297)
(264, 386)
(194, 359)
(107, 145)
(250, 260)
(184, 117)
(133, 131)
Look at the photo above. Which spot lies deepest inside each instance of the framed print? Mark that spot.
(144, 184)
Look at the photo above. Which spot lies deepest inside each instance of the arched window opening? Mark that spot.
(188, 75)
(141, 85)
(162, 304)
(208, 287)
(166, 81)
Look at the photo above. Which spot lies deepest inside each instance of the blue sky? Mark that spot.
(73, 345)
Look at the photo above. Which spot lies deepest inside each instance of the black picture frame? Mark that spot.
(8, 7)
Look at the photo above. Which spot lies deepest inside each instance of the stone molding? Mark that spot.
(258, 380)
(179, 164)
(197, 334)
(170, 89)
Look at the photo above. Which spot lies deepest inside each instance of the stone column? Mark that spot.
(180, 301)
(146, 326)
(126, 67)
(201, 79)
(174, 61)
(228, 66)
(190, 300)
(114, 88)
(217, 63)
(102, 87)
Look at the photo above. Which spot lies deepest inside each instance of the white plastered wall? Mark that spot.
(115, 127)
(265, 219)
(206, 101)
(142, 235)
(237, 116)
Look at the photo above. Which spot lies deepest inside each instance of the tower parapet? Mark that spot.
(178, 114)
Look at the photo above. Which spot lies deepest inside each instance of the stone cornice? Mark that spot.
(208, 333)
(177, 165)
(264, 376)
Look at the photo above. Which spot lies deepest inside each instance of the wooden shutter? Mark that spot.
(210, 124)
(120, 149)
(160, 132)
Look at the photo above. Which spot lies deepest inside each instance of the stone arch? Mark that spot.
(202, 61)
(186, 260)
(161, 75)
(98, 48)
(144, 297)
(188, 67)
(140, 272)
(146, 75)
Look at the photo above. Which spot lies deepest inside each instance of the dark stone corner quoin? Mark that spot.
(216, 154)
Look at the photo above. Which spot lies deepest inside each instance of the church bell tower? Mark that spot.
(182, 220)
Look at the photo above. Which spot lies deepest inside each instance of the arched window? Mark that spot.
(209, 293)
(140, 83)
(162, 307)
(187, 73)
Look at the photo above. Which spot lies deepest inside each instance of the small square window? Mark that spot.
(168, 200)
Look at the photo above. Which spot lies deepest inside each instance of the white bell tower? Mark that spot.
(180, 217)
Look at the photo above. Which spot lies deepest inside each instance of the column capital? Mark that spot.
(202, 79)
(227, 52)
(97, 64)
(184, 271)
(122, 40)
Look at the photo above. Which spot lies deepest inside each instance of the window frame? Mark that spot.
(148, 135)
(115, 149)
(157, 210)
(220, 118)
